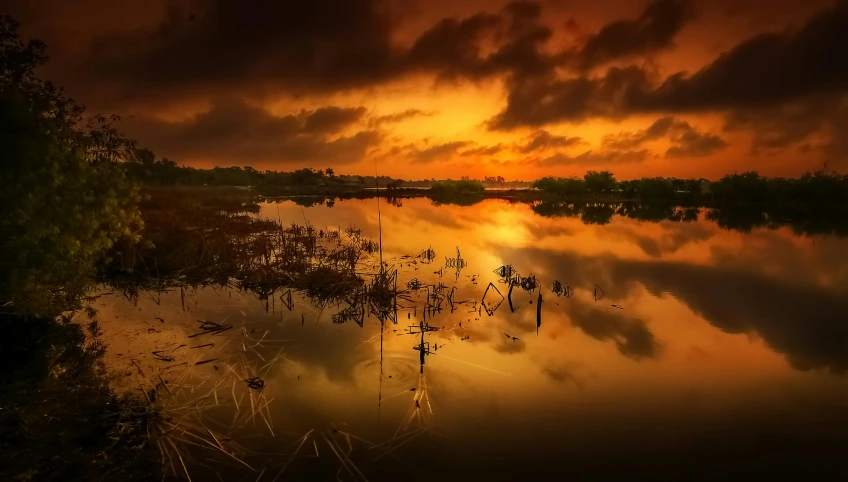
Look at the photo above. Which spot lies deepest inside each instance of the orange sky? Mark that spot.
(444, 89)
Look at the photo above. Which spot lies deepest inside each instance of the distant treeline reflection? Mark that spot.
(743, 218)
(817, 187)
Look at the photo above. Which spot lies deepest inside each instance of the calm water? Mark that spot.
(725, 355)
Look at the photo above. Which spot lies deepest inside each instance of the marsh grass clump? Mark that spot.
(456, 188)
(325, 284)
(383, 295)
(464, 192)
(200, 240)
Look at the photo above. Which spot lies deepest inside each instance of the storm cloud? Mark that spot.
(233, 132)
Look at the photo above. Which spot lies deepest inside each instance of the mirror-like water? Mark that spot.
(674, 349)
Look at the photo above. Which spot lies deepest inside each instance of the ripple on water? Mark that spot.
(401, 367)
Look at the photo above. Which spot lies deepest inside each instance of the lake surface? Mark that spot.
(677, 351)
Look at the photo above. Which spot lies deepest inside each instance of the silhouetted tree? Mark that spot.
(64, 200)
(600, 182)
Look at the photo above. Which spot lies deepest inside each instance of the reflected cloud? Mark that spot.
(565, 373)
(672, 237)
(631, 335)
(802, 321)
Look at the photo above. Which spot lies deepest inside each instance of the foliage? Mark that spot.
(563, 186)
(600, 182)
(746, 188)
(457, 188)
(751, 187)
(65, 200)
(143, 167)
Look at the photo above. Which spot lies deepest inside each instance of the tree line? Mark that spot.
(143, 166)
(747, 187)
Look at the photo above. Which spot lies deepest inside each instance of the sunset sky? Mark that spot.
(444, 88)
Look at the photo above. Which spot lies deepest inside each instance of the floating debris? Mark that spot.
(458, 263)
(557, 288)
(506, 272)
(256, 383)
(210, 327)
(599, 293)
(539, 313)
(160, 355)
(354, 312)
(206, 361)
(427, 255)
(489, 302)
(529, 283)
(618, 306)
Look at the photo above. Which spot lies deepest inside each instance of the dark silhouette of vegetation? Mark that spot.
(457, 188)
(464, 192)
(561, 186)
(802, 220)
(198, 237)
(600, 183)
(143, 166)
(65, 200)
(818, 187)
(59, 420)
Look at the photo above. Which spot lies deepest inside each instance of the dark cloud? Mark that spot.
(483, 151)
(654, 30)
(330, 119)
(691, 143)
(276, 48)
(431, 153)
(544, 140)
(306, 47)
(763, 71)
(331, 45)
(514, 39)
(400, 116)
(630, 140)
(686, 140)
(593, 158)
(538, 101)
(778, 127)
(316, 45)
(798, 124)
(237, 133)
(452, 46)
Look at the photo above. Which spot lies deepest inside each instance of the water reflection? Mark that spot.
(705, 341)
